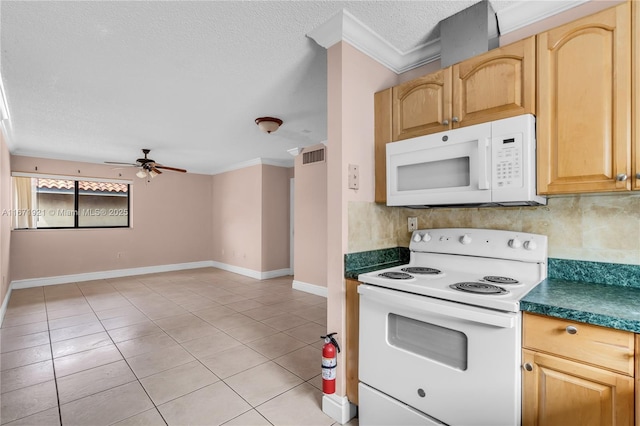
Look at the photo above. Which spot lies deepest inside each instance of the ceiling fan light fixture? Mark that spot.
(152, 174)
(141, 174)
(268, 124)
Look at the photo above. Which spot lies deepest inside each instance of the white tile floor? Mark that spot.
(197, 347)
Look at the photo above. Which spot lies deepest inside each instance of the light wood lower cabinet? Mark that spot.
(576, 374)
(351, 339)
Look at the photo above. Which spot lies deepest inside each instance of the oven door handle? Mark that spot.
(425, 304)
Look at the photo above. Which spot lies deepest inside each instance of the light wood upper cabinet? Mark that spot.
(576, 374)
(584, 104)
(382, 116)
(422, 105)
(494, 85)
(498, 84)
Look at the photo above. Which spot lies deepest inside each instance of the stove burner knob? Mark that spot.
(530, 245)
(465, 239)
(515, 243)
(426, 237)
(417, 237)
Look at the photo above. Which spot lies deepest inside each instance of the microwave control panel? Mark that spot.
(508, 161)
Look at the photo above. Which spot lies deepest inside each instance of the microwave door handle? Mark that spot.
(485, 169)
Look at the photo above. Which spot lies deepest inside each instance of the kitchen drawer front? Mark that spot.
(600, 346)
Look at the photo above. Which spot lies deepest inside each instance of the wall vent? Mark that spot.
(316, 156)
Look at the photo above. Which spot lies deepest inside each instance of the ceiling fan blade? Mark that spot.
(171, 168)
(121, 164)
(155, 170)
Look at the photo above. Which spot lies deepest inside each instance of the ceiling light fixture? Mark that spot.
(268, 124)
(141, 174)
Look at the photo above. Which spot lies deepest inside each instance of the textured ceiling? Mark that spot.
(99, 80)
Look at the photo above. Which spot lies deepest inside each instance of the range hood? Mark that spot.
(468, 33)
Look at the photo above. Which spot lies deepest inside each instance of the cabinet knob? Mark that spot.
(571, 329)
(528, 366)
(455, 119)
(445, 122)
(637, 175)
(621, 177)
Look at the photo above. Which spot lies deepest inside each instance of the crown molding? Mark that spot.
(343, 26)
(522, 14)
(254, 162)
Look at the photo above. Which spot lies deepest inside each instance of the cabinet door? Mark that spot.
(422, 106)
(635, 169)
(584, 102)
(382, 136)
(562, 392)
(351, 341)
(498, 84)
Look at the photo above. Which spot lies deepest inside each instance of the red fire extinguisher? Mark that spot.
(329, 363)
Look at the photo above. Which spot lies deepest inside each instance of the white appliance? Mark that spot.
(440, 337)
(488, 164)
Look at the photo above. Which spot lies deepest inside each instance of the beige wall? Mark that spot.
(275, 218)
(5, 220)
(169, 217)
(310, 224)
(237, 209)
(350, 131)
(250, 218)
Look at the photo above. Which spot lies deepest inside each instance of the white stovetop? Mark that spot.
(528, 266)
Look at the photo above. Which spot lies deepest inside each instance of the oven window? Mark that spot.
(450, 173)
(431, 341)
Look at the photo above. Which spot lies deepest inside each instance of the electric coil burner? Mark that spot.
(421, 270)
(395, 275)
(501, 280)
(479, 288)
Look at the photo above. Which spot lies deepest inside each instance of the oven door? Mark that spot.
(458, 364)
(445, 168)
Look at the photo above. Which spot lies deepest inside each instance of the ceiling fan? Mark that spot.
(147, 165)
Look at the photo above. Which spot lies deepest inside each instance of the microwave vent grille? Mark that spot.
(316, 156)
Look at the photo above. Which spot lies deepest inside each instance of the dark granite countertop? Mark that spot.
(599, 304)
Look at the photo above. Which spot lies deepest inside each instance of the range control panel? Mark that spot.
(492, 243)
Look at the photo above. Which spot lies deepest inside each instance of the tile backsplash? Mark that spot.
(600, 228)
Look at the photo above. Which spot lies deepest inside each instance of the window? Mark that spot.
(42, 202)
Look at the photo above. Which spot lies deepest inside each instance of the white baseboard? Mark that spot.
(250, 272)
(338, 408)
(310, 288)
(5, 303)
(115, 273)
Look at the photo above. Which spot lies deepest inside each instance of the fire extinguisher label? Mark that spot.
(329, 368)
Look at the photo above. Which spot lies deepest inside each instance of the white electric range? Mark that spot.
(446, 327)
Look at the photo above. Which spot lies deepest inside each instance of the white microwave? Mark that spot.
(488, 164)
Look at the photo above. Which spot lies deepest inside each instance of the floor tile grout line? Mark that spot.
(53, 365)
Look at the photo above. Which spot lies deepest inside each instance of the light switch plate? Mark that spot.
(354, 177)
(412, 224)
